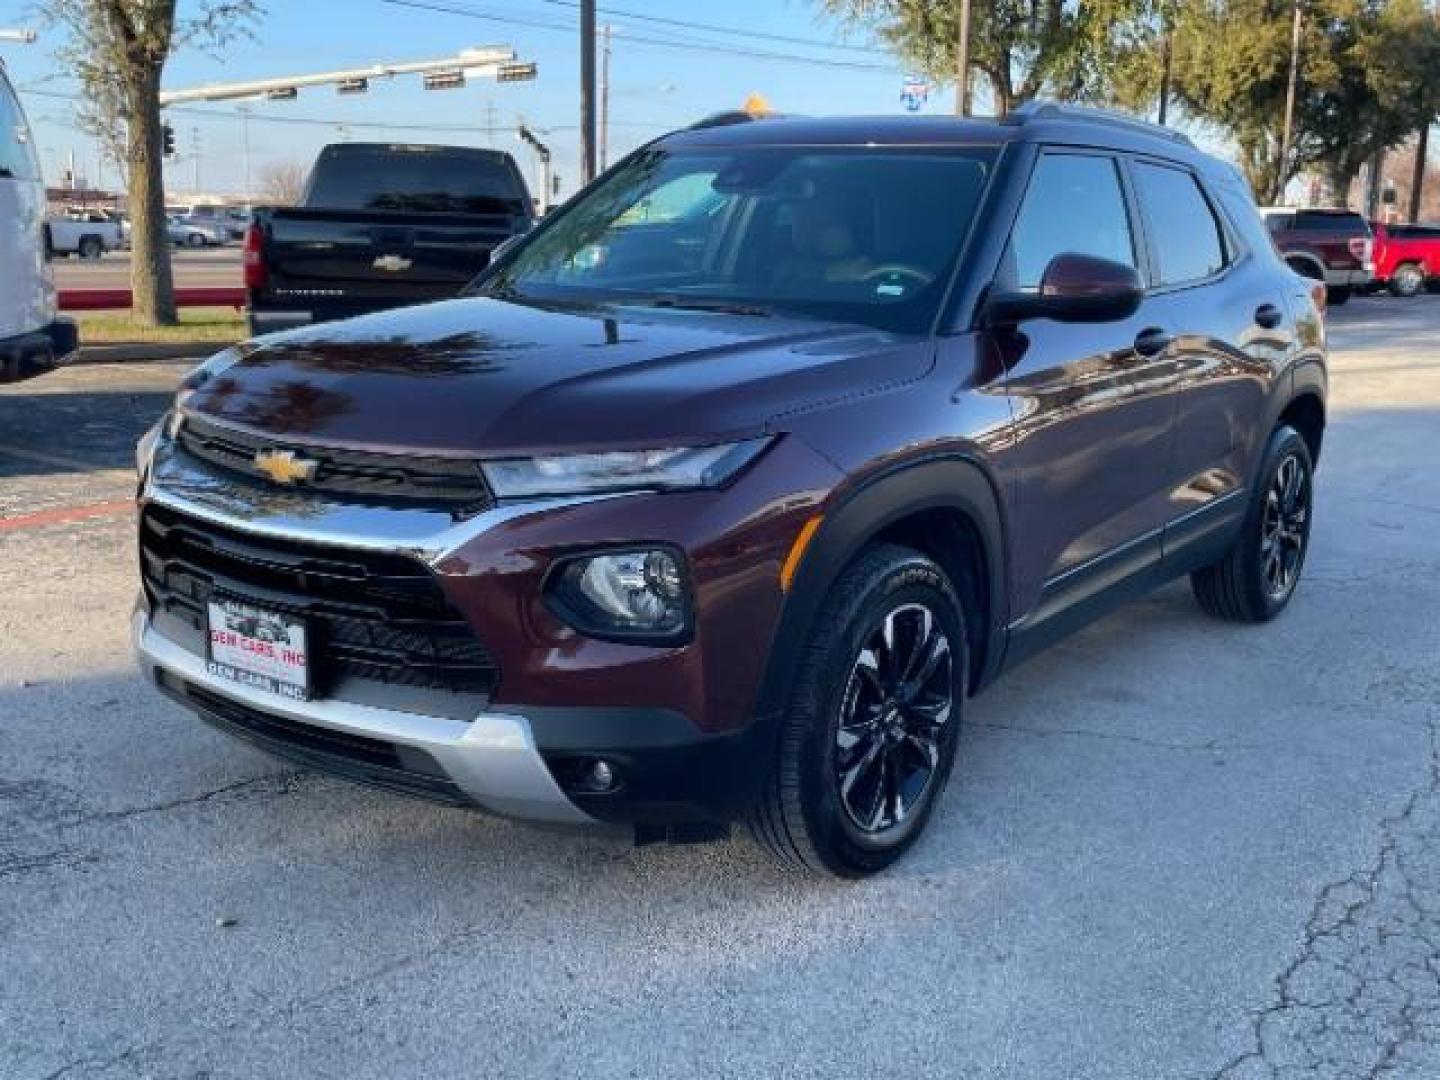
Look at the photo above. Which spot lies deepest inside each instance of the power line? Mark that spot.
(376, 125)
(632, 38)
(758, 35)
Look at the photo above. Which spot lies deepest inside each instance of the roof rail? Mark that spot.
(732, 116)
(1054, 110)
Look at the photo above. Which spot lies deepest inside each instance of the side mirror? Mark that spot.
(1074, 288)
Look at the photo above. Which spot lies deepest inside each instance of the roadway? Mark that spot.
(209, 267)
(1171, 848)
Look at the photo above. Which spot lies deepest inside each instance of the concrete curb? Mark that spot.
(140, 350)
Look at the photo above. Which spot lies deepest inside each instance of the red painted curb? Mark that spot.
(63, 514)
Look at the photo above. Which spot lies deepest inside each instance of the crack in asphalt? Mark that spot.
(38, 811)
(1213, 746)
(282, 783)
(1362, 996)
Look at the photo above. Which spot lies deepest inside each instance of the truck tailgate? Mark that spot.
(371, 254)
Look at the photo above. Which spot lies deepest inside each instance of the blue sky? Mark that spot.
(656, 83)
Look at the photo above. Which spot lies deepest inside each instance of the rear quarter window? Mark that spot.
(1188, 241)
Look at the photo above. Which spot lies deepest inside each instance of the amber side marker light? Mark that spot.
(797, 551)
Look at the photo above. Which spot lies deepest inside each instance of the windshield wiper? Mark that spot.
(696, 303)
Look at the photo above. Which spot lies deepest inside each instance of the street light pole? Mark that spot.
(244, 111)
(587, 91)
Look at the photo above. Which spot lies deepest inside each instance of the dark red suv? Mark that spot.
(730, 483)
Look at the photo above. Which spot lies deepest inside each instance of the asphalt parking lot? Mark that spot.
(1172, 848)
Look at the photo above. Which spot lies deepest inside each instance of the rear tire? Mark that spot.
(90, 247)
(1258, 576)
(868, 740)
(195, 240)
(1337, 295)
(1408, 280)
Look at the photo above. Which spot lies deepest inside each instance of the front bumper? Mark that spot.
(677, 723)
(1359, 277)
(491, 761)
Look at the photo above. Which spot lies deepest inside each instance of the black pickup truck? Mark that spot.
(381, 225)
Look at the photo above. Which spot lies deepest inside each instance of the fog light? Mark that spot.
(600, 776)
(625, 595)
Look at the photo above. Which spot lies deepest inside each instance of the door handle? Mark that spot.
(1153, 340)
(1268, 316)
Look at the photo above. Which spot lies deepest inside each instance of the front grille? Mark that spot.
(377, 762)
(450, 484)
(376, 617)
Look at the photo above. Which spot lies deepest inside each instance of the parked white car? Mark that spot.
(86, 233)
(190, 232)
(32, 338)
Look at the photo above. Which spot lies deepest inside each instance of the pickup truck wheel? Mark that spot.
(90, 247)
(1337, 295)
(195, 240)
(1408, 280)
(868, 740)
(1256, 579)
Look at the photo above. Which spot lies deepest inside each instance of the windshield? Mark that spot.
(17, 150)
(856, 234)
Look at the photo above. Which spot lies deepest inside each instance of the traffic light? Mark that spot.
(515, 72)
(167, 140)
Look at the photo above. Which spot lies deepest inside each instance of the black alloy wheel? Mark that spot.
(898, 699)
(869, 736)
(1258, 575)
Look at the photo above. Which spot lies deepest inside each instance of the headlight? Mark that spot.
(625, 470)
(639, 595)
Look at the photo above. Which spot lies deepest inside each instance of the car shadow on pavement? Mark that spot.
(45, 432)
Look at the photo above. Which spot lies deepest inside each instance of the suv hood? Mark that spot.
(489, 376)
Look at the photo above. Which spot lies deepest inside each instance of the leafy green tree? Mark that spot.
(1020, 50)
(1364, 66)
(118, 49)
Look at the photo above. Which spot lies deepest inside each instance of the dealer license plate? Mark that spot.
(258, 648)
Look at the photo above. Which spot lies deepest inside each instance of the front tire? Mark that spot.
(1337, 295)
(868, 740)
(90, 248)
(195, 240)
(1408, 280)
(1258, 576)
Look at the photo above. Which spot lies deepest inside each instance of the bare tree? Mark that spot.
(282, 183)
(119, 48)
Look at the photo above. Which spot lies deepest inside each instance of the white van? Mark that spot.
(32, 339)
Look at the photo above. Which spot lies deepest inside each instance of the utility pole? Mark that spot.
(1417, 179)
(1288, 135)
(195, 149)
(962, 62)
(587, 91)
(491, 115)
(1166, 59)
(604, 96)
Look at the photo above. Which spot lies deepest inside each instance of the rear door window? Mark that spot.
(1073, 205)
(1188, 242)
(17, 149)
(414, 180)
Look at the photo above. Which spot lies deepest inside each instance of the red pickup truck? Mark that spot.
(1407, 257)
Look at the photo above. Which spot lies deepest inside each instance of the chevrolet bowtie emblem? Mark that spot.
(394, 263)
(284, 467)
